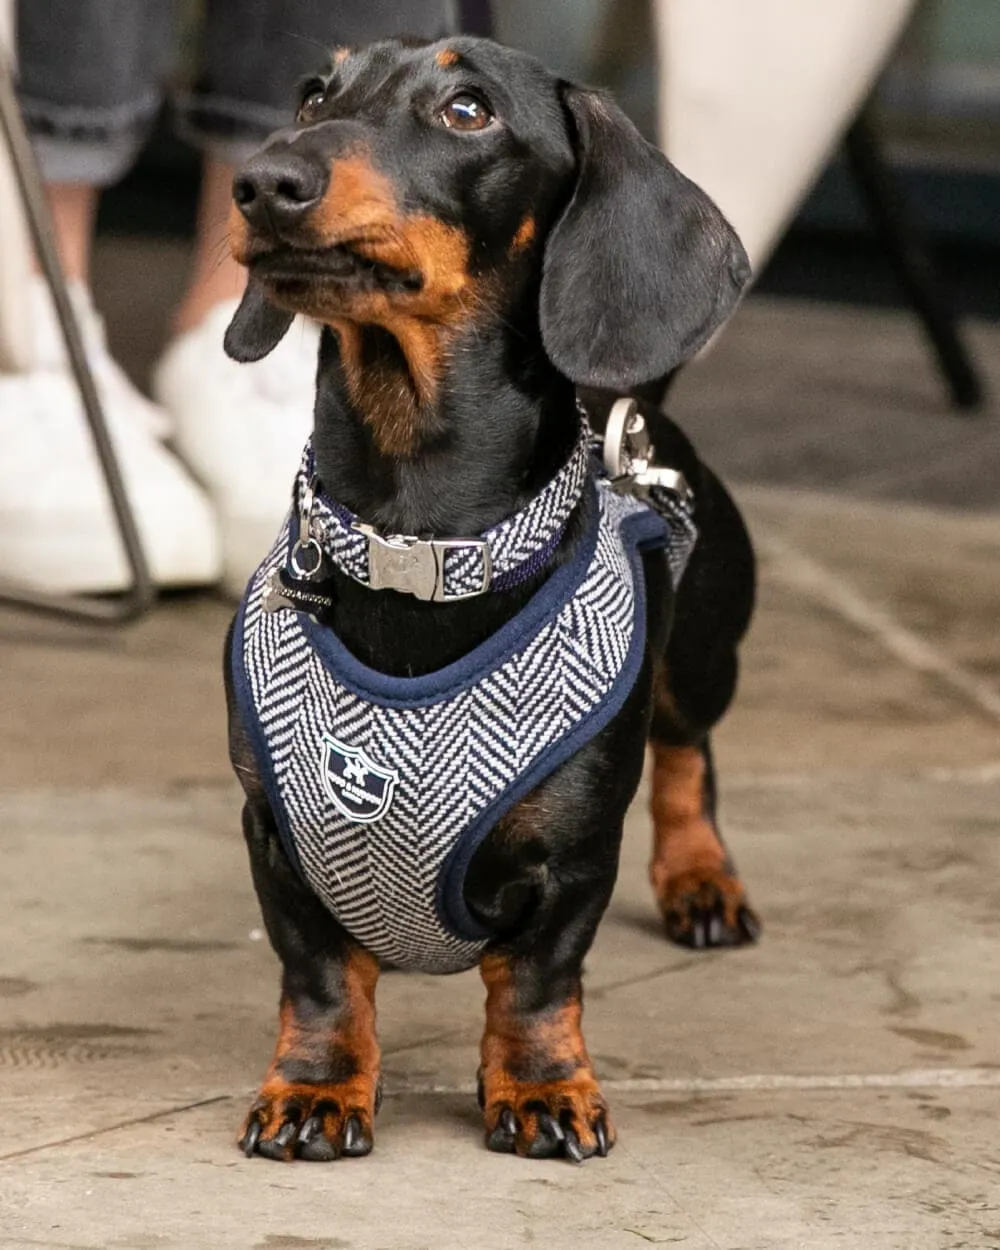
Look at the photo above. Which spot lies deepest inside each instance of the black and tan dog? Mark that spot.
(479, 239)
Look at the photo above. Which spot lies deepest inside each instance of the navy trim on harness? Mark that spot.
(589, 603)
(391, 691)
(388, 691)
(258, 744)
(643, 532)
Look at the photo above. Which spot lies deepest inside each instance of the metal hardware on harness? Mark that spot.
(628, 456)
(415, 566)
(279, 594)
(305, 543)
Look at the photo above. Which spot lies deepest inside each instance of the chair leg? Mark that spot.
(140, 594)
(908, 251)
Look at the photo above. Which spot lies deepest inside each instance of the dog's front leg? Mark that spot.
(537, 1086)
(321, 1092)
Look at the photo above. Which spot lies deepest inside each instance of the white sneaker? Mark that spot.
(48, 353)
(57, 527)
(241, 429)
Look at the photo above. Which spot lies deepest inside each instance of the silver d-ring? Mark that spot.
(624, 436)
(310, 569)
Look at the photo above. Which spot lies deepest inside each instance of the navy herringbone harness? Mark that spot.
(384, 787)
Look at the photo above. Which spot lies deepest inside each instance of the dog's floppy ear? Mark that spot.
(641, 267)
(257, 326)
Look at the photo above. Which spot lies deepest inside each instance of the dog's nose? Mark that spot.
(277, 189)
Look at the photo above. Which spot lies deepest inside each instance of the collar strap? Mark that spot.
(442, 570)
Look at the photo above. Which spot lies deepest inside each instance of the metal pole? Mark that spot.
(141, 593)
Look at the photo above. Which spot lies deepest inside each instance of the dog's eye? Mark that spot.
(466, 112)
(312, 101)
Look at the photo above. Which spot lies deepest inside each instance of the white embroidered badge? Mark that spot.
(358, 787)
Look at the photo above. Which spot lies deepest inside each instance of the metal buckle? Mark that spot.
(443, 545)
(415, 566)
(662, 479)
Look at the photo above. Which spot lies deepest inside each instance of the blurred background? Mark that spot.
(936, 110)
(837, 1085)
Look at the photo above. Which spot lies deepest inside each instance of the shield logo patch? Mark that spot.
(358, 787)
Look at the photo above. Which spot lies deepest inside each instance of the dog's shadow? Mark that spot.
(636, 917)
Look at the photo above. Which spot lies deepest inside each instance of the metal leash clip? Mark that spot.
(305, 542)
(304, 564)
(628, 456)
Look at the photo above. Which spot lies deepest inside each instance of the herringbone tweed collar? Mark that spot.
(443, 569)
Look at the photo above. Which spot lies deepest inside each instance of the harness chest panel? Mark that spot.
(384, 787)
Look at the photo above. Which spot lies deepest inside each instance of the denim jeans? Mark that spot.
(92, 72)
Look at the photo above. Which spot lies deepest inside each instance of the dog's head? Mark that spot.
(425, 184)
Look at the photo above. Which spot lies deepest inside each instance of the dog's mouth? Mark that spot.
(293, 271)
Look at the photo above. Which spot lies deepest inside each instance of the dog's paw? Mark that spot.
(706, 908)
(557, 1119)
(315, 1122)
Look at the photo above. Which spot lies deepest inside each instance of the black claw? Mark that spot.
(286, 1134)
(500, 1142)
(601, 1133)
(250, 1139)
(551, 1127)
(310, 1129)
(270, 1149)
(572, 1147)
(549, 1140)
(356, 1142)
(700, 928)
(318, 1150)
(502, 1139)
(749, 924)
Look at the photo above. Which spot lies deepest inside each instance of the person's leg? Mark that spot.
(89, 74)
(88, 115)
(89, 87)
(215, 276)
(242, 427)
(73, 206)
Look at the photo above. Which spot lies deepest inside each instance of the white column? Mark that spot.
(755, 94)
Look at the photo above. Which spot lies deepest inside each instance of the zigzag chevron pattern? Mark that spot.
(512, 543)
(454, 756)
